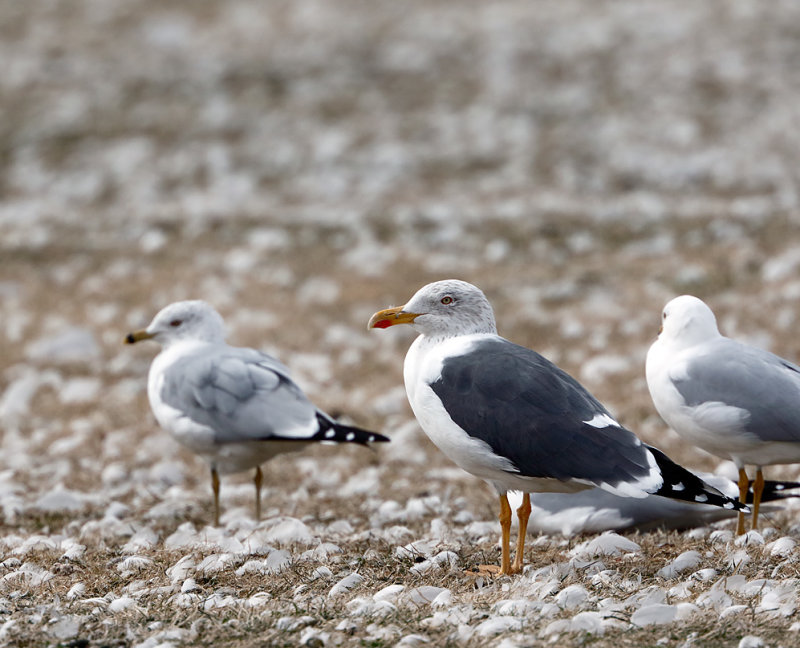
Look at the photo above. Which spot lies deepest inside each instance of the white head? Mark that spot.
(183, 320)
(687, 320)
(442, 309)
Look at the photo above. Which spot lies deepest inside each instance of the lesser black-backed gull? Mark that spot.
(509, 416)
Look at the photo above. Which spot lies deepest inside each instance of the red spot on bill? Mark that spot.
(384, 323)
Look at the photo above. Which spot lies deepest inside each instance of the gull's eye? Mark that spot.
(175, 323)
(447, 299)
(664, 316)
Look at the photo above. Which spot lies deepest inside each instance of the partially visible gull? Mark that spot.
(596, 510)
(730, 399)
(235, 407)
(509, 416)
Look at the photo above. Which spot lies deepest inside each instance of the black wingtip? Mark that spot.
(330, 430)
(681, 484)
(775, 490)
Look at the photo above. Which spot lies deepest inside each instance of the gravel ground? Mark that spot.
(301, 164)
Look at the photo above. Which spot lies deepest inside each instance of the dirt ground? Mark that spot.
(301, 164)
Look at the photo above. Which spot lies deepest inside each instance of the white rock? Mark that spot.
(121, 604)
(70, 345)
(721, 536)
(572, 596)
(686, 610)
(496, 625)
(363, 606)
(36, 542)
(277, 561)
(79, 390)
(347, 626)
(777, 268)
(424, 595)
(60, 501)
(415, 550)
(321, 572)
(738, 559)
(600, 367)
(606, 544)
(686, 560)
(591, 622)
(145, 538)
(748, 539)
(29, 574)
(715, 598)
(510, 643)
(388, 593)
(751, 641)
(65, 627)
(782, 599)
(423, 567)
(17, 397)
(216, 563)
(682, 590)
(517, 607)
(152, 240)
(76, 591)
(556, 627)
(288, 531)
(181, 570)
(781, 547)
(133, 564)
(704, 575)
(443, 599)
(654, 615)
(184, 537)
(219, 600)
(252, 567)
(189, 585)
(646, 596)
(345, 584)
(445, 559)
(733, 610)
(259, 599)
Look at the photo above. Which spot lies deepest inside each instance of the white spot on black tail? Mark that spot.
(350, 436)
(678, 487)
(702, 497)
(330, 434)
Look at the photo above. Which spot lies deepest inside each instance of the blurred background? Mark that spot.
(301, 164)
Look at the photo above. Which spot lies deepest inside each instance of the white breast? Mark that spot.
(714, 426)
(198, 438)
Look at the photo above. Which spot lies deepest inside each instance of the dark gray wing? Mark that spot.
(242, 394)
(533, 413)
(765, 386)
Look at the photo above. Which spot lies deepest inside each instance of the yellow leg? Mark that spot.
(744, 485)
(505, 542)
(215, 488)
(758, 491)
(257, 480)
(523, 513)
